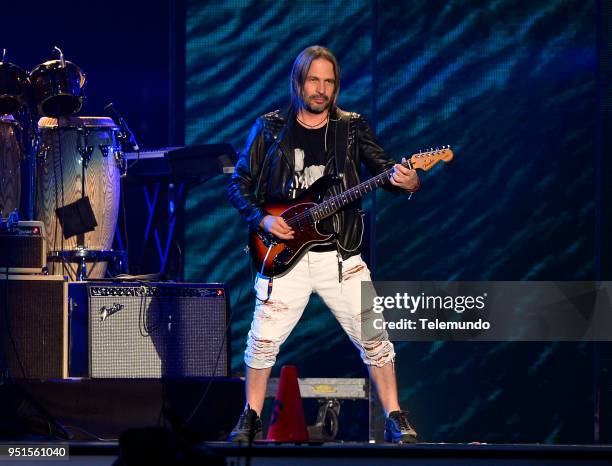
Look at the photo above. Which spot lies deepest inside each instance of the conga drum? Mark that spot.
(10, 170)
(72, 150)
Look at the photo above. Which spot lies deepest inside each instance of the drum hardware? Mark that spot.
(43, 153)
(104, 149)
(83, 148)
(81, 256)
(121, 162)
(61, 54)
(85, 152)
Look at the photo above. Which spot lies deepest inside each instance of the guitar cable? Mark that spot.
(261, 275)
(218, 358)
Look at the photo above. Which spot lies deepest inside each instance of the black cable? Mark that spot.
(143, 327)
(219, 353)
(123, 173)
(93, 265)
(53, 426)
(181, 261)
(6, 314)
(61, 164)
(66, 268)
(55, 190)
(124, 216)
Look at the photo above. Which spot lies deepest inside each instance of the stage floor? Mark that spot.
(101, 410)
(340, 454)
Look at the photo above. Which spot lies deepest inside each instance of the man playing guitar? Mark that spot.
(285, 154)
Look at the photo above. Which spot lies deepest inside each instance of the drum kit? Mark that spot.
(74, 164)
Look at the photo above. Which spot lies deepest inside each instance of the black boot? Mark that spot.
(247, 429)
(398, 429)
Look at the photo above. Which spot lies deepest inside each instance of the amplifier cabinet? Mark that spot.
(148, 330)
(24, 249)
(34, 326)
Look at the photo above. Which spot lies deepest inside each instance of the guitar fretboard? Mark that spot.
(423, 160)
(333, 204)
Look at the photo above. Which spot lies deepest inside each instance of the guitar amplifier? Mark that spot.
(23, 248)
(148, 330)
(34, 326)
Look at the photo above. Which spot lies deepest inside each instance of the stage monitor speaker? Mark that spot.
(34, 326)
(148, 330)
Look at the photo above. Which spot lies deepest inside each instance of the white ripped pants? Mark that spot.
(315, 272)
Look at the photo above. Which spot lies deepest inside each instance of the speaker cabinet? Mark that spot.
(148, 330)
(23, 250)
(34, 326)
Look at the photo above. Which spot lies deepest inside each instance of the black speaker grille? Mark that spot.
(34, 341)
(157, 330)
(21, 252)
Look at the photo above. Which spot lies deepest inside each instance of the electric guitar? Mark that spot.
(275, 257)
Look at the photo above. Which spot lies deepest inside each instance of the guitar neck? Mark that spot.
(333, 204)
(423, 161)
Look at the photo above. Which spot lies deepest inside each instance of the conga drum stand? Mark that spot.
(81, 256)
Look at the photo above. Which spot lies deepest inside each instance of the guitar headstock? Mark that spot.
(425, 160)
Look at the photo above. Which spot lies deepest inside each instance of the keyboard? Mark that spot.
(183, 163)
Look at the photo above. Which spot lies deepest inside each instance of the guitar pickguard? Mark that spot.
(283, 258)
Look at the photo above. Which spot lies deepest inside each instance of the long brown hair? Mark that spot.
(301, 65)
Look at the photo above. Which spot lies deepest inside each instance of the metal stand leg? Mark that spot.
(82, 269)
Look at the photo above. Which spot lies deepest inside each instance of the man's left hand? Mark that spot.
(405, 178)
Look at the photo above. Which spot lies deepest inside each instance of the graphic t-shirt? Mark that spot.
(310, 157)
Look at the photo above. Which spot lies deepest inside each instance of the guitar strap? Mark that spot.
(341, 146)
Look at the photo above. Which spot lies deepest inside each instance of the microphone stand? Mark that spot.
(126, 135)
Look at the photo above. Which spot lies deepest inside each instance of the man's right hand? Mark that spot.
(277, 226)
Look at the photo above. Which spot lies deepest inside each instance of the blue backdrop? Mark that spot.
(512, 87)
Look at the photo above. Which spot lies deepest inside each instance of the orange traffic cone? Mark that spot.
(287, 422)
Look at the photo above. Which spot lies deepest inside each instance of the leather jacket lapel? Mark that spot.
(286, 146)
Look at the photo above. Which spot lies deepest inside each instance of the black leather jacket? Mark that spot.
(264, 171)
